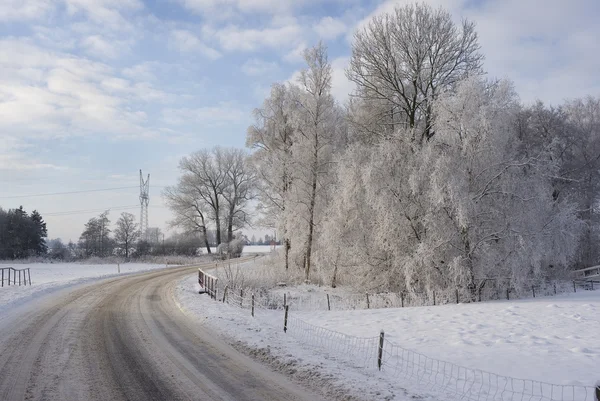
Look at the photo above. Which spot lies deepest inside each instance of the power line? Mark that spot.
(66, 193)
(69, 212)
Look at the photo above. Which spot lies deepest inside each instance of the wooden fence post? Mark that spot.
(433, 298)
(574, 288)
(19, 278)
(2, 277)
(29, 274)
(285, 318)
(402, 298)
(8, 276)
(241, 298)
(224, 294)
(368, 303)
(284, 300)
(554, 288)
(598, 392)
(508, 294)
(328, 303)
(380, 350)
(252, 305)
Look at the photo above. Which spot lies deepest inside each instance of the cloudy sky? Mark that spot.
(91, 91)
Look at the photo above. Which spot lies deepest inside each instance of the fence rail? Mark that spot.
(208, 283)
(10, 275)
(455, 382)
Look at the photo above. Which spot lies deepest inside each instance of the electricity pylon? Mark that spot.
(144, 201)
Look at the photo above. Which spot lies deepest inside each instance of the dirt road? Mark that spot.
(126, 339)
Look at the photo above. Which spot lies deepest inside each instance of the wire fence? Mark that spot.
(491, 291)
(474, 384)
(453, 381)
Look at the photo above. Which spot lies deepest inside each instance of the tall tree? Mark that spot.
(39, 232)
(204, 172)
(317, 123)
(238, 188)
(127, 232)
(272, 137)
(403, 60)
(95, 239)
(189, 208)
(215, 187)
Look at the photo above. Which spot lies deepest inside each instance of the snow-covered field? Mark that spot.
(551, 339)
(258, 249)
(47, 277)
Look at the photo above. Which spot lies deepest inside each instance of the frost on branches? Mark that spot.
(432, 177)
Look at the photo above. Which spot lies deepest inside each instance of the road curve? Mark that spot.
(125, 339)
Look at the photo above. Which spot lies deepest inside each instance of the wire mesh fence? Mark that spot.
(319, 301)
(473, 384)
(453, 381)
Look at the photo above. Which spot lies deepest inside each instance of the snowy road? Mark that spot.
(125, 339)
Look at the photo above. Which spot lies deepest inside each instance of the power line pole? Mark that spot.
(144, 201)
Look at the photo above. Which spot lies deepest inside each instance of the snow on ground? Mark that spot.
(48, 277)
(264, 339)
(250, 249)
(551, 339)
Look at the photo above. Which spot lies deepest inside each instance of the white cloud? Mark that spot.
(107, 13)
(186, 41)
(101, 48)
(329, 28)
(234, 38)
(12, 157)
(296, 55)
(256, 67)
(222, 114)
(140, 72)
(230, 7)
(341, 87)
(17, 10)
(65, 95)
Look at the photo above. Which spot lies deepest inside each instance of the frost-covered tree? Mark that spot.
(317, 122)
(492, 213)
(272, 137)
(403, 60)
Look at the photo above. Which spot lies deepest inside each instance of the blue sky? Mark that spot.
(93, 90)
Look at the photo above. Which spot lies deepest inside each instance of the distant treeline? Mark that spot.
(21, 234)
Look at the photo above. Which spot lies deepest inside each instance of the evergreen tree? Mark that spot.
(37, 244)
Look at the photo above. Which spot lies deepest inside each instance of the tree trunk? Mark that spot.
(230, 223)
(311, 224)
(287, 252)
(217, 217)
(206, 239)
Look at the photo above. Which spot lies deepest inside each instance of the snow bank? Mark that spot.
(48, 277)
